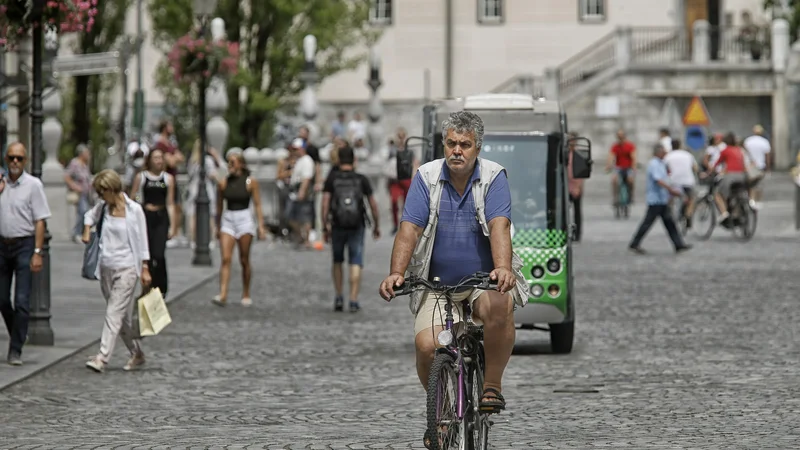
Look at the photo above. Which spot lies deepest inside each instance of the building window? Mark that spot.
(490, 11)
(380, 13)
(592, 10)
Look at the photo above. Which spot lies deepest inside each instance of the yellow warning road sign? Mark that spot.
(696, 113)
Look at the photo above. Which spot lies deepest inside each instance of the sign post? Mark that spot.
(695, 121)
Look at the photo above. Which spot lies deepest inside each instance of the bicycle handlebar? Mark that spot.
(479, 280)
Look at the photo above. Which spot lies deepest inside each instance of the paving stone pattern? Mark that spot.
(689, 351)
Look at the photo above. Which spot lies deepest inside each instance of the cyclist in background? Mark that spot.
(735, 173)
(623, 158)
(682, 169)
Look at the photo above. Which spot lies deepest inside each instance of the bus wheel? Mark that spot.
(561, 336)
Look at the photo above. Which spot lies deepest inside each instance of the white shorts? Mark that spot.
(237, 223)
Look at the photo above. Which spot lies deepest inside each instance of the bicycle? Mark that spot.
(679, 206)
(623, 201)
(742, 219)
(454, 417)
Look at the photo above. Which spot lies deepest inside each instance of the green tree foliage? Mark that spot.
(793, 16)
(86, 123)
(270, 34)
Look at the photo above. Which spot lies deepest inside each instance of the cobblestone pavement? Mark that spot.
(689, 351)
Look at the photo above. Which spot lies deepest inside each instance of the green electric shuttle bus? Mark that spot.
(528, 136)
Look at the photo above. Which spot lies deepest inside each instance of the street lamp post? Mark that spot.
(375, 110)
(309, 76)
(39, 330)
(202, 254)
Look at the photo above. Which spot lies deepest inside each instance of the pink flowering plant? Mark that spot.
(192, 59)
(17, 17)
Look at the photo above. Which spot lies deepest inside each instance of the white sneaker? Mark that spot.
(96, 364)
(172, 243)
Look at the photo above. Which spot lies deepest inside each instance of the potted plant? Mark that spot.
(193, 59)
(18, 17)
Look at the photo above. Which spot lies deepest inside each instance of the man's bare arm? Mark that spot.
(404, 244)
(39, 238)
(500, 240)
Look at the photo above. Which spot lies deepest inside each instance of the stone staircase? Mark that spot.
(632, 48)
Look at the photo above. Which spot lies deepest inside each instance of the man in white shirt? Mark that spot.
(664, 139)
(682, 170)
(301, 215)
(759, 149)
(356, 128)
(23, 211)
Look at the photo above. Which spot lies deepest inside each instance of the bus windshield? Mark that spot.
(525, 159)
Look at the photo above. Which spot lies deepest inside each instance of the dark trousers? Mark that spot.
(15, 262)
(576, 207)
(653, 213)
(157, 232)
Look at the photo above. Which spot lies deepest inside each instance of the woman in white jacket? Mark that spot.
(122, 263)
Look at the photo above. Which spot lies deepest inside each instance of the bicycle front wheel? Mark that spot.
(704, 218)
(445, 429)
(477, 422)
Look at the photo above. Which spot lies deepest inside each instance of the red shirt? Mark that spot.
(623, 152)
(733, 159)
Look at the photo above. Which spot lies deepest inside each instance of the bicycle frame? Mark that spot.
(454, 349)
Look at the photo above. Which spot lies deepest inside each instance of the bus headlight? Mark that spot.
(537, 290)
(445, 338)
(553, 290)
(537, 271)
(553, 265)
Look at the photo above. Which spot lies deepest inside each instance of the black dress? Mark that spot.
(154, 192)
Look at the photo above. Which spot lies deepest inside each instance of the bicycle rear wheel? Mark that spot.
(477, 423)
(445, 430)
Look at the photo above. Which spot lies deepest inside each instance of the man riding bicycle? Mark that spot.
(683, 169)
(441, 202)
(623, 157)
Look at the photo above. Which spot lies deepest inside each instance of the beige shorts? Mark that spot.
(431, 310)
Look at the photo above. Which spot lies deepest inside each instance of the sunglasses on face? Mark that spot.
(12, 158)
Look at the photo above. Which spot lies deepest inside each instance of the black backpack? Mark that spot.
(347, 202)
(405, 165)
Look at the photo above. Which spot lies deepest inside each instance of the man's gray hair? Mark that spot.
(658, 148)
(464, 122)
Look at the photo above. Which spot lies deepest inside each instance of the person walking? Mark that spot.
(123, 262)
(155, 190)
(575, 186)
(406, 165)
(23, 211)
(235, 225)
(78, 178)
(345, 219)
(657, 196)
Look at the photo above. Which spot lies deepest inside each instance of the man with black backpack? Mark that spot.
(345, 216)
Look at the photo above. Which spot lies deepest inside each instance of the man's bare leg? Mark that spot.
(496, 311)
(426, 345)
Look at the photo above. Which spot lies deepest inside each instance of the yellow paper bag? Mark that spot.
(153, 313)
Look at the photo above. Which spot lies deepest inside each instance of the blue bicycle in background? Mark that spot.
(623, 201)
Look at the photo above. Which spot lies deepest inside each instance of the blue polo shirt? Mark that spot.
(655, 193)
(460, 248)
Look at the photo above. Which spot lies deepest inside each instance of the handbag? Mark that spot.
(753, 173)
(153, 313)
(73, 197)
(91, 254)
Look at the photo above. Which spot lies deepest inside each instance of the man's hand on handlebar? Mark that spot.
(388, 286)
(504, 278)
